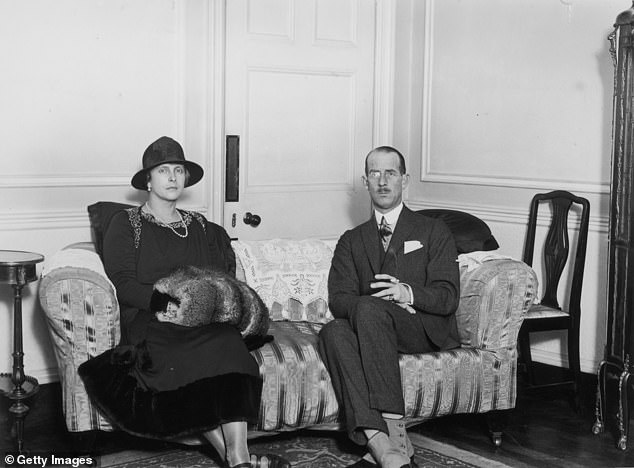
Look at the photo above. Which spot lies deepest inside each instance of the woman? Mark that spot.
(166, 380)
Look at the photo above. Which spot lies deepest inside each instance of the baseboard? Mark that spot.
(561, 360)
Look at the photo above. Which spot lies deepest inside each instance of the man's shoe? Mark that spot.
(370, 462)
(384, 451)
(362, 463)
(398, 435)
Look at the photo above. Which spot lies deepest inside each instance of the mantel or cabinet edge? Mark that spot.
(615, 371)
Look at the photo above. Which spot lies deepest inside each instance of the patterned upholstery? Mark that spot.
(473, 379)
(291, 276)
(540, 311)
(297, 393)
(83, 319)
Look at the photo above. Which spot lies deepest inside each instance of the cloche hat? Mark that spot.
(162, 151)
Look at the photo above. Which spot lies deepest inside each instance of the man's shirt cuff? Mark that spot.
(411, 294)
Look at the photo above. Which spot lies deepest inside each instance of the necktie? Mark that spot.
(385, 232)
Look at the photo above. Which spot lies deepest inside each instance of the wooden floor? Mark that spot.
(543, 431)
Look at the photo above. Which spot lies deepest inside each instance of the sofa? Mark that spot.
(290, 275)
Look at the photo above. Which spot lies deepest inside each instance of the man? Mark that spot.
(393, 288)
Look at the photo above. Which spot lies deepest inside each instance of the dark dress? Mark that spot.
(166, 380)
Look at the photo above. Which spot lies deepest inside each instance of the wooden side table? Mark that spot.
(17, 268)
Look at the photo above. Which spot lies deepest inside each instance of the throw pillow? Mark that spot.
(291, 276)
(100, 214)
(470, 232)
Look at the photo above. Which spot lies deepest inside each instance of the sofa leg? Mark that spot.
(496, 423)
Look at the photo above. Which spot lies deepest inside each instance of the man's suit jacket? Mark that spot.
(429, 267)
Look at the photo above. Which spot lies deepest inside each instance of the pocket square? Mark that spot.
(410, 246)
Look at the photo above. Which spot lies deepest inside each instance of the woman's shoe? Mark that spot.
(274, 461)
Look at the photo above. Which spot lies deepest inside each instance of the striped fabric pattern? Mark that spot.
(83, 318)
(473, 379)
(297, 391)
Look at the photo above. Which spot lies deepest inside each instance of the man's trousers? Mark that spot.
(361, 354)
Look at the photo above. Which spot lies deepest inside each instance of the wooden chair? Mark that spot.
(549, 314)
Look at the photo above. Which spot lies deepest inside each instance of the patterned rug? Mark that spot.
(304, 450)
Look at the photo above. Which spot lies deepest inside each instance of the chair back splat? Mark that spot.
(555, 252)
(556, 247)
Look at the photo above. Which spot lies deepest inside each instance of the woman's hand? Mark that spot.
(170, 314)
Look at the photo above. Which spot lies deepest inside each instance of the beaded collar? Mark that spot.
(135, 214)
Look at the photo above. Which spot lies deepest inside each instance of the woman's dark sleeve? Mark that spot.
(119, 257)
(219, 241)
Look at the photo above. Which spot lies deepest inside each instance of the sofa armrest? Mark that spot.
(494, 299)
(80, 304)
(82, 312)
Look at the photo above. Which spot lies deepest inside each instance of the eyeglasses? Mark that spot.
(390, 174)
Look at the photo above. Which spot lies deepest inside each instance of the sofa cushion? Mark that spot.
(470, 232)
(100, 214)
(291, 276)
(297, 390)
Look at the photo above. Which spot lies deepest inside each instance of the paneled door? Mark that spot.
(299, 113)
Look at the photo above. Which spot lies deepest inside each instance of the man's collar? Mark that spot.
(391, 217)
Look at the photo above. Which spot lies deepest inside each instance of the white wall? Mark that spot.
(496, 101)
(85, 87)
(493, 101)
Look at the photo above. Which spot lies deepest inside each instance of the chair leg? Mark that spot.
(574, 362)
(525, 355)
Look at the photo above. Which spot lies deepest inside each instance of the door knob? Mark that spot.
(252, 219)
